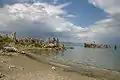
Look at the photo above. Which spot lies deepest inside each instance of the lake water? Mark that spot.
(105, 58)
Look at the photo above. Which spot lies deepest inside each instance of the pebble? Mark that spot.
(1, 75)
(22, 52)
(11, 66)
(53, 68)
(3, 61)
(22, 68)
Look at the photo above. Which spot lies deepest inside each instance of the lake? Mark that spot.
(104, 58)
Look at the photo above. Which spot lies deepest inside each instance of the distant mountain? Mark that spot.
(72, 44)
(5, 32)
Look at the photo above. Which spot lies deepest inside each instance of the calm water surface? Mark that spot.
(105, 58)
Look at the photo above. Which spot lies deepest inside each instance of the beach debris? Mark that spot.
(22, 52)
(1, 75)
(54, 68)
(12, 66)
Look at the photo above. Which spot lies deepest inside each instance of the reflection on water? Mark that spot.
(105, 58)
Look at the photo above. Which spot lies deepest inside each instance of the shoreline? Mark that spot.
(31, 62)
(83, 70)
(21, 67)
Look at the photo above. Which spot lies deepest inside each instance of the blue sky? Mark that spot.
(70, 20)
(86, 14)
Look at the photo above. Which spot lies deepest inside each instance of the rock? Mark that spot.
(22, 68)
(53, 68)
(12, 66)
(3, 61)
(1, 75)
(10, 49)
(22, 52)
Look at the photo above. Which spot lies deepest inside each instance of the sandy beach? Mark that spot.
(19, 67)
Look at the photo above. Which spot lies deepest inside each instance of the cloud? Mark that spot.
(110, 6)
(43, 20)
(108, 29)
(39, 20)
(71, 16)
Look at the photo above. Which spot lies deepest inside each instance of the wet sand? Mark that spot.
(19, 67)
(96, 72)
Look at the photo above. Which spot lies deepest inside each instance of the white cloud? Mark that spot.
(110, 6)
(39, 18)
(42, 19)
(108, 29)
(70, 16)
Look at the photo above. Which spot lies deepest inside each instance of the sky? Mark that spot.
(69, 20)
